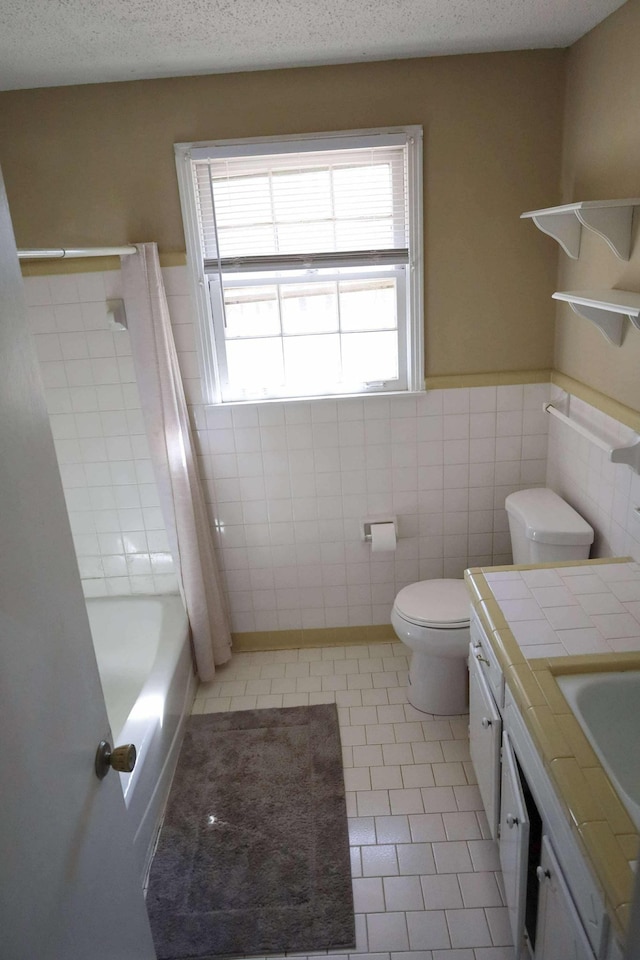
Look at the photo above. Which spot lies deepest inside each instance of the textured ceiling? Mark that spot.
(58, 42)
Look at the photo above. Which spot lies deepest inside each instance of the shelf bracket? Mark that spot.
(613, 224)
(611, 220)
(564, 228)
(629, 455)
(608, 323)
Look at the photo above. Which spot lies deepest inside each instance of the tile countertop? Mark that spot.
(553, 619)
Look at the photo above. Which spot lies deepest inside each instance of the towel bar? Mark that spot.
(629, 454)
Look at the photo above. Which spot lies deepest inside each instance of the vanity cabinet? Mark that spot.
(556, 909)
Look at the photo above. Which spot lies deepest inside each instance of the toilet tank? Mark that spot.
(545, 528)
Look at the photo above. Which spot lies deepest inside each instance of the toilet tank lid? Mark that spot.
(547, 518)
(444, 603)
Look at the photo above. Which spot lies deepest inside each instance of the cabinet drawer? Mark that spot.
(482, 650)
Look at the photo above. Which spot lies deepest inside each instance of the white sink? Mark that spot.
(607, 707)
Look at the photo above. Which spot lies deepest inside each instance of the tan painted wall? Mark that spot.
(601, 161)
(94, 165)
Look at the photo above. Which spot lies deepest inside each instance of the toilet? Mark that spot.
(432, 616)
(544, 528)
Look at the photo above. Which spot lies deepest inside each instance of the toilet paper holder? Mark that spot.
(365, 526)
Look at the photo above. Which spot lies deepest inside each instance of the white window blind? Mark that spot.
(326, 208)
(307, 250)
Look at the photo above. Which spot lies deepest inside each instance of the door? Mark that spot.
(485, 734)
(559, 932)
(68, 887)
(513, 844)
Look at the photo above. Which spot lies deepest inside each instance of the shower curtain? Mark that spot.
(172, 453)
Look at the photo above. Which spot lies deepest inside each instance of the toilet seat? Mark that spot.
(439, 604)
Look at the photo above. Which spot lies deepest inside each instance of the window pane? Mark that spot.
(312, 360)
(255, 364)
(363, 190)
(309, 308)
(246, 241)
(302, 195)
(368, 305)
(370, 356)
(305, 237)
(364, 234)
(251, 312)
(242, 200)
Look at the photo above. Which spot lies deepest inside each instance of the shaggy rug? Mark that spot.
(253, 855)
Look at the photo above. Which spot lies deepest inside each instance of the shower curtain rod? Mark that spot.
(68, 253)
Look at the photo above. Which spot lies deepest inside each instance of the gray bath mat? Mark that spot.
(253, 856)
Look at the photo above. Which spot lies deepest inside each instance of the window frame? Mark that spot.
(410, 338)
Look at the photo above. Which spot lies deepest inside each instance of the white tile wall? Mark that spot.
(606, 494)
(288, 484)
(94, 406)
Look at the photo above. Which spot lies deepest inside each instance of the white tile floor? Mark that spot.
(426, 878)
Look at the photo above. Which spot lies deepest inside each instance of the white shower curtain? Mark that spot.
(172, 454)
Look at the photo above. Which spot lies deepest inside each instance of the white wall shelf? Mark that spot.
(605, 308)
(609, 219)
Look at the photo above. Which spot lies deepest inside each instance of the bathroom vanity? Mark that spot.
(567, 837)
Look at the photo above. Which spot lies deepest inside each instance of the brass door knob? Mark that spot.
(121, 758)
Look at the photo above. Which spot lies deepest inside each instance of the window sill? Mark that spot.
(228, 404)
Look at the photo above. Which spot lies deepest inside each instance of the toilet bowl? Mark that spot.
(432, 618)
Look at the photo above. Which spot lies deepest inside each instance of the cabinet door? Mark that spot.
(513, 844)
(485, 733)
(560, 934)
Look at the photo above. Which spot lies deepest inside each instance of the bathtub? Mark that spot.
(144, 660)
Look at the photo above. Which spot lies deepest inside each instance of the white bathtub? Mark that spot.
(144, 660)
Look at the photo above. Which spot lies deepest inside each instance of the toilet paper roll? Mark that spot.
(383, 537)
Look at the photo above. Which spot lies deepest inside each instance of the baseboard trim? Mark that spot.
(320, 637)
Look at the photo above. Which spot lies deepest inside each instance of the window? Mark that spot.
(307, 259)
